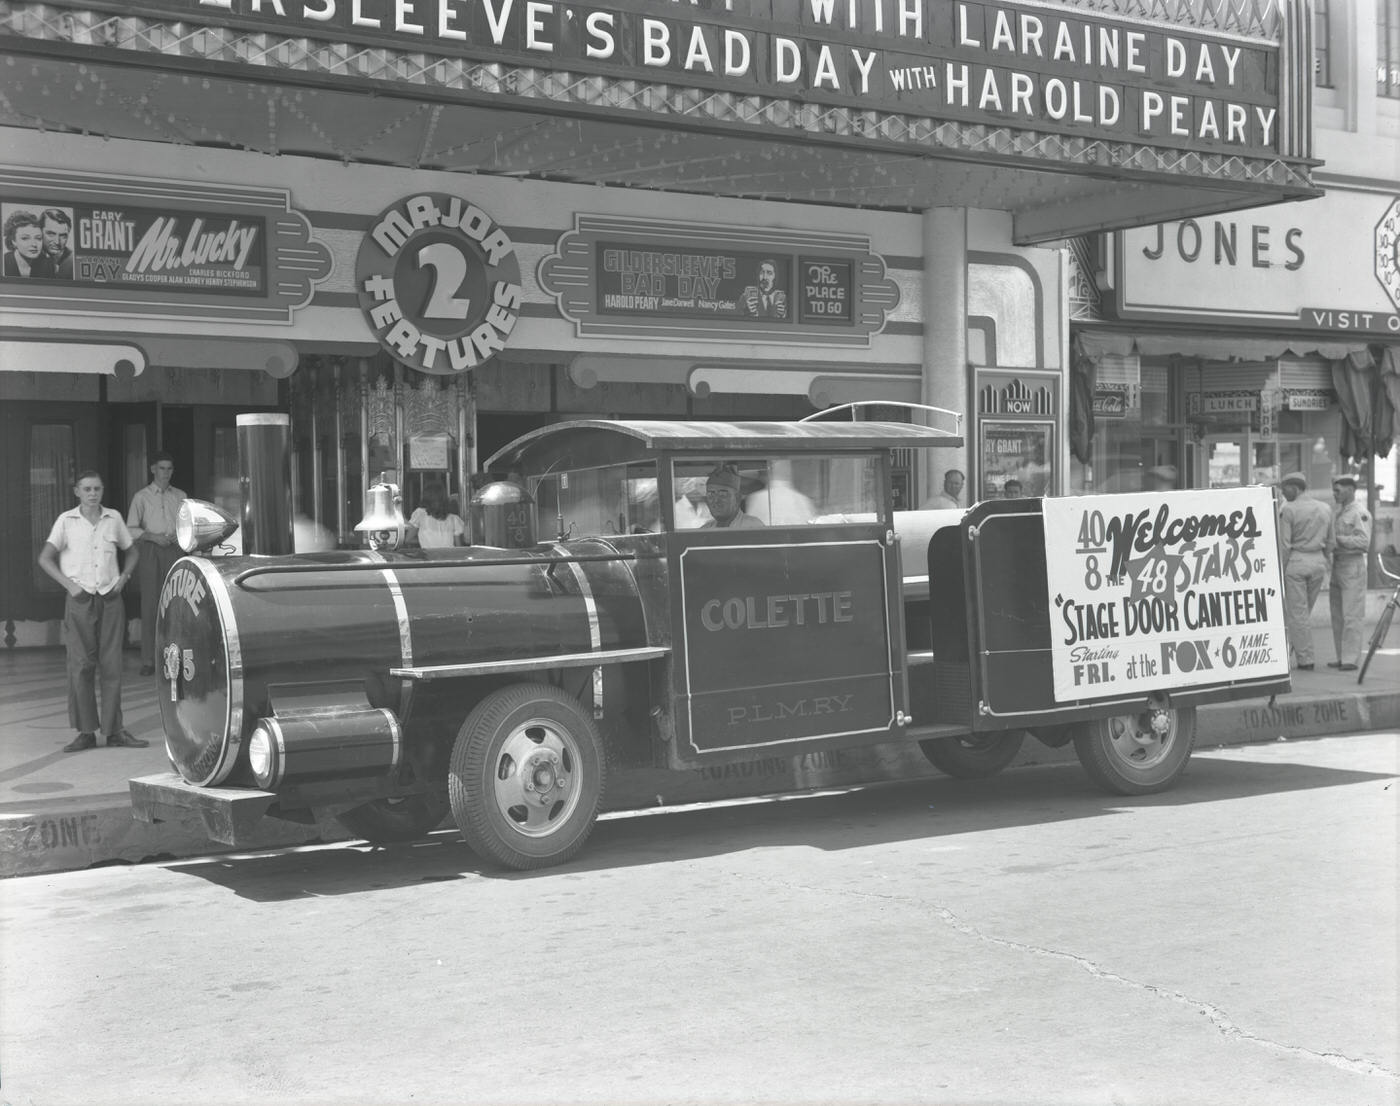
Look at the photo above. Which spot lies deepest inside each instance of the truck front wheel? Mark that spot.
(526, 777)
(390, 821)
(1137, 754)
(974, 757)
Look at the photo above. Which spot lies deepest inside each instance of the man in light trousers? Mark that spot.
(1304, 538)
(1351, 541)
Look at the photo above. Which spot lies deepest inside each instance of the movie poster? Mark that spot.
(123, 247)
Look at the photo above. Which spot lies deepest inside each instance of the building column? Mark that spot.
(945, 338)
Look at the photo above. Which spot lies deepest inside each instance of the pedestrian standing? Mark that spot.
(81, 555)
(432, 525)
(1305, 539)
(950, 496)
(1351, 541)
(151, 520)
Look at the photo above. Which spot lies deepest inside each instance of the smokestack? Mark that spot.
(265, 482)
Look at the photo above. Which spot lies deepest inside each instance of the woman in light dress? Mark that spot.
(433, 526)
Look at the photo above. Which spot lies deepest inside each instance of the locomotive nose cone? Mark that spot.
(201, 690)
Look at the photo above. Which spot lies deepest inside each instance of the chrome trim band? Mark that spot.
(595, 632)
(280, 768)
(396, 731)
(401, 614)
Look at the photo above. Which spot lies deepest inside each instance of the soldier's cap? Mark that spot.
(1346, 478)
(723, 477)
(1296, 478)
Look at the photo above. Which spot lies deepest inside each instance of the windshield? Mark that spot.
(776, 491)
(583, 503)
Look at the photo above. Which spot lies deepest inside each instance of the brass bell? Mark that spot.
(383, 524)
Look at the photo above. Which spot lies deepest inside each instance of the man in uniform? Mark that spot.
(1351, 541)
(1304, 538)
(722, 497)
(151, 520)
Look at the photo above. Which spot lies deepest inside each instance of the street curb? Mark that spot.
(65, 834)
(1291, 716)
(60, 835)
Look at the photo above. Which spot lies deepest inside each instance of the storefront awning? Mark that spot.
(72, 357)
(1096, 344)
(126, 360)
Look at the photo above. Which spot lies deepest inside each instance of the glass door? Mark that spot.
(1219, 461)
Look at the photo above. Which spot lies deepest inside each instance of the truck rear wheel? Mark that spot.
(390, 821)
(1137, 754)
(526, 776)
(974, 757)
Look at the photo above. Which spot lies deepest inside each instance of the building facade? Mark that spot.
(424, 228)
(1244, 346)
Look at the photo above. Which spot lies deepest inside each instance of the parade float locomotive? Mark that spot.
(609, 628)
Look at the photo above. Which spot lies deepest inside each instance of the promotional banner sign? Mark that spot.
(1153, 591)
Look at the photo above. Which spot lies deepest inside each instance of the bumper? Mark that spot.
(231, 815)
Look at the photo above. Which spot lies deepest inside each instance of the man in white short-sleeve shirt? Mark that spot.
(81, 555)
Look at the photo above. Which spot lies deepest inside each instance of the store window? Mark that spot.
(1255, 422)
(1134, 428)
(1322, 44)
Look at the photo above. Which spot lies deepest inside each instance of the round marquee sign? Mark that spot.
(439, 283)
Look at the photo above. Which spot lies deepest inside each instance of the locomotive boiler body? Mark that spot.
(243, 634)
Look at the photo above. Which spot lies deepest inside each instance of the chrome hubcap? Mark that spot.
(535, 778)
(1142, 740)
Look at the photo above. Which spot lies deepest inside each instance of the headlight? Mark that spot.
(200, 525)
(262, 753)
(315, 745)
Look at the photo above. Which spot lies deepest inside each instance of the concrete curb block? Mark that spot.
(66, 834)
(1245, 721)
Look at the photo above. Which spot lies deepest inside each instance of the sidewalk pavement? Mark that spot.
(61, 811)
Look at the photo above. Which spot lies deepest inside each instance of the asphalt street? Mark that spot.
(1021, 940)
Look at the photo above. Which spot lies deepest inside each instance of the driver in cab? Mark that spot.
(722, 497)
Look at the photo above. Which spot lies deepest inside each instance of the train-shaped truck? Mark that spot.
(628, 622)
